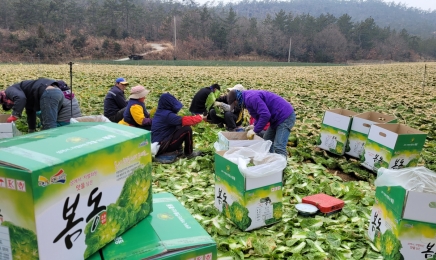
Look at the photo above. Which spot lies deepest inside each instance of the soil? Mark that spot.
(345, 177)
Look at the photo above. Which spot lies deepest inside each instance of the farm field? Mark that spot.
(395, 89)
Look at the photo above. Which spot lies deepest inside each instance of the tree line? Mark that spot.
(93, 29)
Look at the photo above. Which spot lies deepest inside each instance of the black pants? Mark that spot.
(229, 119)
(181, 136)
(118, 116)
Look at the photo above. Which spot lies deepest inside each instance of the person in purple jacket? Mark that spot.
(264, 107)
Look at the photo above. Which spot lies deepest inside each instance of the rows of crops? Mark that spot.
(394, 89)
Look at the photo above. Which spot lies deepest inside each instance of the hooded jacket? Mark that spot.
(27, 94)
(166, 120)
(64, 114)
(265, 106)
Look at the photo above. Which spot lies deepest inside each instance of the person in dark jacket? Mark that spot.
(115, 102)
(171, 130)
(220, 113)
(264, 107)
(70, 106)
(36, 95)
(135, 113)
(204, 99)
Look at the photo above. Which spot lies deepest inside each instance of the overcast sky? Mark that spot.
(422, 4)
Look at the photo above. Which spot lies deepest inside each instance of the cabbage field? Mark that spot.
(402, 90)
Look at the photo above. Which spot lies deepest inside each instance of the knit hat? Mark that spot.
(138, 92)
(62, 85)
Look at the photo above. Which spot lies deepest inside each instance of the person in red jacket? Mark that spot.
(172, 131)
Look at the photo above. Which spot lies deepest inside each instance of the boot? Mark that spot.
(193, 154)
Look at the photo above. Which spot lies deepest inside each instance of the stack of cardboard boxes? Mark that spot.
(67, 192)
(376, 139)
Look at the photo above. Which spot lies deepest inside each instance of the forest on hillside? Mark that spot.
(331, 31)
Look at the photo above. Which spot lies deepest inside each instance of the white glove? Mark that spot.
(217, 104)
(248, 128)
(250, 134)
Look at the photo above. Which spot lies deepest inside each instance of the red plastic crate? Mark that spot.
(324, 202)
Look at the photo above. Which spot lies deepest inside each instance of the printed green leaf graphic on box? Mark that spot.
(24, 244)
(239, 215)
(133, 204)
(390, 246)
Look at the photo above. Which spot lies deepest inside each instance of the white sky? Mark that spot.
(422, 4)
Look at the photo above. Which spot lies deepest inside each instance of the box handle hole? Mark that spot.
(366, 125)
(382, 134)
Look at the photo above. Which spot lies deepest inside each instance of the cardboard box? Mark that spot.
(170, 232)
(7, 130)
(249, 202)
(334, 130)
(235, 139)
(360, 129)
(403, 223)
(73, 189)
(392, 146)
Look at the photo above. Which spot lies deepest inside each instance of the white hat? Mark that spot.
(138, 92)
(236, 87)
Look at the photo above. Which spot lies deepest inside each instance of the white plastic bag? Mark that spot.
(418, 179)
(154, 148)
(265, 163)
(95, 118)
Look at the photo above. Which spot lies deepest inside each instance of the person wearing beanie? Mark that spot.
(264, 107)
(70, 106)
(203, 100)
(135, 113)
(172, 131)
(42, 94)
(220, 113)
(115, 102)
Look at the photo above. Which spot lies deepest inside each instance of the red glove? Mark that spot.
(12, 119)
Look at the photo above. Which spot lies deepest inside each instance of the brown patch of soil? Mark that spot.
(343, 176)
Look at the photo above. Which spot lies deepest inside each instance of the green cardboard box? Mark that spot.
(68, 191)
(334, 130)
(360, 129)
(170, 232)
(403, 223)
(249, 202)
(7, 130)
(392, 146)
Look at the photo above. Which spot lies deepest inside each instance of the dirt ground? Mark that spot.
(343, 176)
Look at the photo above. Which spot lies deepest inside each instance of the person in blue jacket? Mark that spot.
(172, 131)
(264, 107)
(115, 102)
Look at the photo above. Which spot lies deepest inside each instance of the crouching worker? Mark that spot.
(135, 113)
(70, 106)
(42, 95)
(220, 114)
(172, 131)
